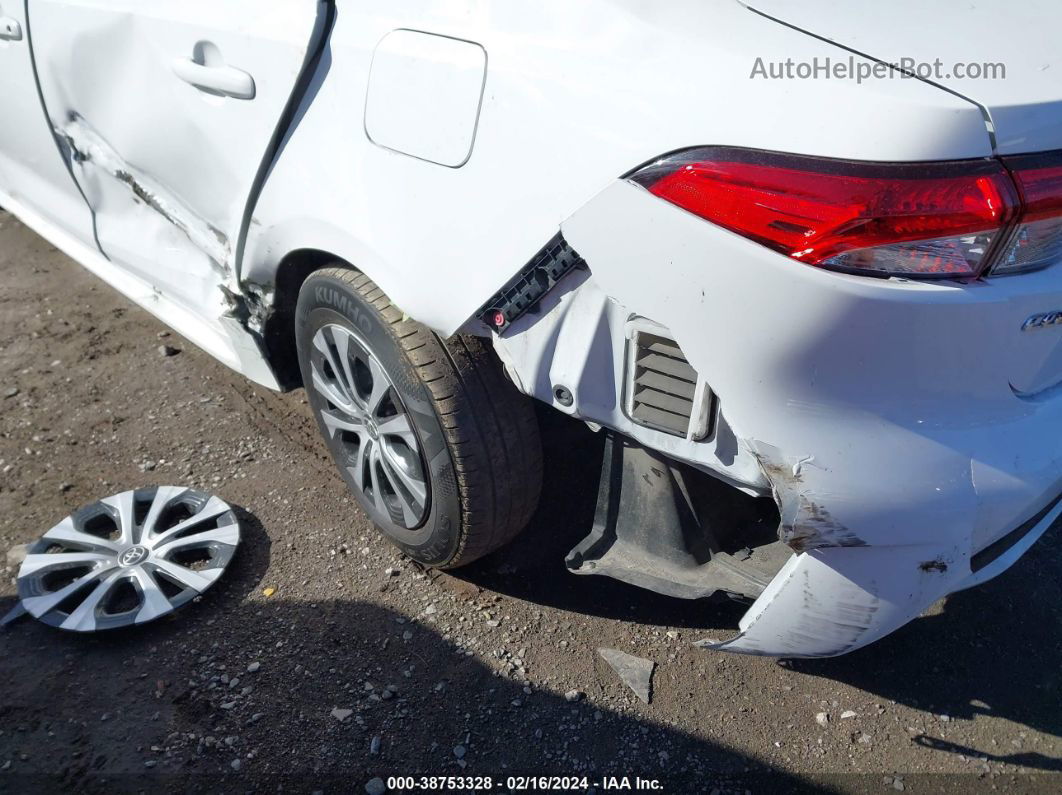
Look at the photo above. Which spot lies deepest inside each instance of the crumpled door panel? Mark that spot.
(167, 166)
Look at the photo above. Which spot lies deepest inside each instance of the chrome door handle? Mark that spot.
(10, 30)
(227, 80)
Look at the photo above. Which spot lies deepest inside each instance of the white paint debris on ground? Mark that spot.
(636, 672)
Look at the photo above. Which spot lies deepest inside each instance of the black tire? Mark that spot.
(478, 435)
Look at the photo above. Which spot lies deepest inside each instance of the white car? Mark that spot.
(726, 234)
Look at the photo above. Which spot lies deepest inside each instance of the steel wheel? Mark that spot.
(128, 559)
(365, 415)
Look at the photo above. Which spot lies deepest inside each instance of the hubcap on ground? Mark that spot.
(364, 415)
(128, 559)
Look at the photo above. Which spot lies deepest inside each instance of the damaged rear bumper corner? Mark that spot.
(894, 454)
(828, 601)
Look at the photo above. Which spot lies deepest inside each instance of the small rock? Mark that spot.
(253, 667)
(342, 714)
(150, 763)
(848, 713)
(672, 634)
(11, 391)
(392, 572)
(374, 745)
(235, 764)
(823, 719)
(376, 786)
(573, 695)
(168, 350)
(16, 555)
(460, 751)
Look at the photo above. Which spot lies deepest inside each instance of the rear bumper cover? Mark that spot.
(879, 413)
(830, 601)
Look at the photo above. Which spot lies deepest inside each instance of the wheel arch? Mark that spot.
(278, 328)
(278, 259)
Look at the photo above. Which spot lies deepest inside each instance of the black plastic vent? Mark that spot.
(662, 384)
(522, 293)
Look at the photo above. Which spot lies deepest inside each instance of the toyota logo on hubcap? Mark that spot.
(132, 556)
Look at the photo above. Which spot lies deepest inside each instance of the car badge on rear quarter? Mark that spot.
(1043, 320)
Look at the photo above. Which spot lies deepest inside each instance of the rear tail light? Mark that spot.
(1037, 239)
(916, 220)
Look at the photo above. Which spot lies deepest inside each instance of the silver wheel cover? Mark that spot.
(128, 559)
(366, 420)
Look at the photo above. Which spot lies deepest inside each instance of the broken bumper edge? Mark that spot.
(832, 600)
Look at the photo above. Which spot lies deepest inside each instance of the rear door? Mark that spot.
(31, 171)
(167, 108)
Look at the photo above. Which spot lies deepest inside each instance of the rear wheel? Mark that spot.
(437, 446)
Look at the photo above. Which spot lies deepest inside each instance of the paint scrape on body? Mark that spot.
(88, 151)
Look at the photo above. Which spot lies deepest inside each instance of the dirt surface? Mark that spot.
(455, 675)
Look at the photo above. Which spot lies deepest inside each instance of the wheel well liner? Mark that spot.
(278, 332)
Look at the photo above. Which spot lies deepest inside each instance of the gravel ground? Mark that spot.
(323, 659)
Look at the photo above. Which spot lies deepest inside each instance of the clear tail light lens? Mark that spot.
(920, 220)
(1037, 239)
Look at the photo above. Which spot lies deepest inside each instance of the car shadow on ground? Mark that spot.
(157, 708)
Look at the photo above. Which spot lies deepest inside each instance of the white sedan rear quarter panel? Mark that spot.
(575, 96)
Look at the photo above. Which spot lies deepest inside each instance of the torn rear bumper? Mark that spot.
(881, 414)
(830, 601)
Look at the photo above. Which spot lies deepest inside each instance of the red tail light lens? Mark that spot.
(1037, 240)
(924, 220)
